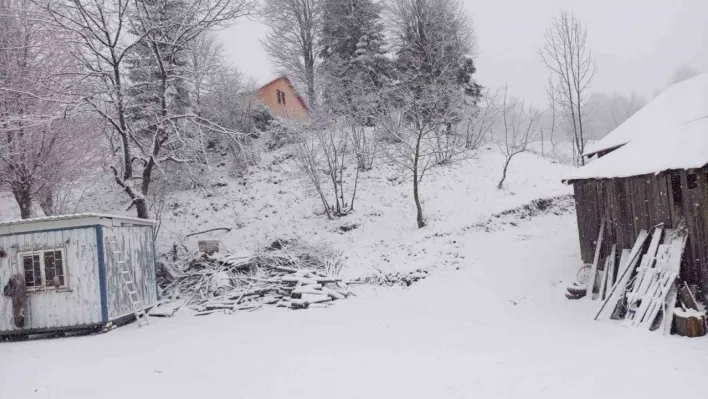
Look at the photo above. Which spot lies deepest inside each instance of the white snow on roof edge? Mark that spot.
(681, 147)
(76, 216)
(681, 103)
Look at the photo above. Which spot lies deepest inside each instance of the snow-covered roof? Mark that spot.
(681, 103)
(67, 221)
(683, 146)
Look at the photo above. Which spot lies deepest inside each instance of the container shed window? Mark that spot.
(44, 269)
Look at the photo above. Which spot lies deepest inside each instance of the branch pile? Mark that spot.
(393, 279)
(288, 274)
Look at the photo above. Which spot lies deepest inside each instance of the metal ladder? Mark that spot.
(129, 283)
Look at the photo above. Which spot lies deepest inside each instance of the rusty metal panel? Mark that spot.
(139, 251)
(77, 302)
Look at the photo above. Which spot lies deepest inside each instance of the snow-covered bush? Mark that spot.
(261, 117)
(281, 133)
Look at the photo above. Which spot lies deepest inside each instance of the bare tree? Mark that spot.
(434, 45)
(75, 161)
(326, 151)
(308, 157)
(479, 122)
(567, 55)
(520, 127)
(149, 128)
(292, 42)
(39, 146)
(207, 68)
(414, 130)
(552, 113)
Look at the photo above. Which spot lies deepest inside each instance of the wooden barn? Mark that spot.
(75, 272)
(652, 169)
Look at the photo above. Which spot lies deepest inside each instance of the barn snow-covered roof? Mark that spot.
(683, 146)
(681, 103)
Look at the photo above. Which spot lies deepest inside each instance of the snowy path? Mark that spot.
(497, 328)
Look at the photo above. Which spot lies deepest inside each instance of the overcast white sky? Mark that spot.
(637, 44)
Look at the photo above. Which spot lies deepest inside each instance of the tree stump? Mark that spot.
(690, 323)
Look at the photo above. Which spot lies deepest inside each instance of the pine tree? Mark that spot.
(353, 56)
(158, 65)
(434, 49)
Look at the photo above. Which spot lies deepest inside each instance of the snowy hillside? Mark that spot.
(273, 201)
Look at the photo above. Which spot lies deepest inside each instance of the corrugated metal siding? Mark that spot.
(77, 305)
(137, 244)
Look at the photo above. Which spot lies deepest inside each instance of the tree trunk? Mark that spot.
(416, 196)
(356, 183)
(310, 78)
(46, 201)
(506, 167)
(142, 208)
(23, 196)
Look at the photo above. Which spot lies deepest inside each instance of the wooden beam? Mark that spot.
(596, 260)
(618, 289)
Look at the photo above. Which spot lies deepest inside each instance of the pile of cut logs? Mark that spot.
(286, 274)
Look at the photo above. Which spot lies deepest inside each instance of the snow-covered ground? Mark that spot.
(274, 201)
(497, 327)
(490, 322)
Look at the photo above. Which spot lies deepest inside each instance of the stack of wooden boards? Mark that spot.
(288, 274)
(284, 287)
(642, 289)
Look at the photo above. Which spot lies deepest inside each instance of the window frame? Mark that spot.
(43, 268)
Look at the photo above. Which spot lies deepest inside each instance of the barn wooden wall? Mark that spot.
(642, 202)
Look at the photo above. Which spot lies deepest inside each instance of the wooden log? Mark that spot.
(241, 297)
(310, 298)
(311, 286)
(593, 271)
(299, 304)
(204, 312)
(674, 265)
(599, 281)
(690, 323)
(611, 269)
(669, 309)
(298, 280)
(345, 292)
(624, 258)
(603, 279)
(323, 280)
(332, 293)
(307, 290)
